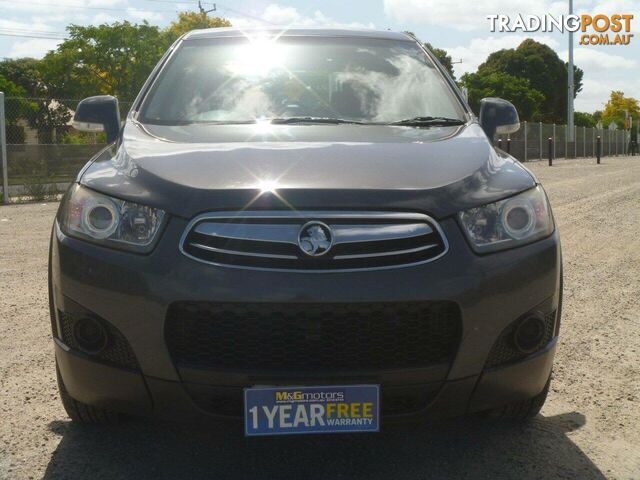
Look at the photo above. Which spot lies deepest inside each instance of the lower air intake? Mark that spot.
(312, 337)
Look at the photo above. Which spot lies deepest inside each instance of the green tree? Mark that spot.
(499, 84)
(614, 110)
(443, 57)
(16, 107)
(583, 119)
(188, 21)
(10, 89)
(597, 115)
(25, 73)
(545, 71)
(111, 59)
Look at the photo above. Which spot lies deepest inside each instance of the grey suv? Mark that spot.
(308, 229)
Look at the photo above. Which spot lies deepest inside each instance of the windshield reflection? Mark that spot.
(247, 79)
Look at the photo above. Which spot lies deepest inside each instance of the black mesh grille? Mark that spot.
(504, 350)
(228, 401)
(54, 323)
(312, 337)
(118, 352)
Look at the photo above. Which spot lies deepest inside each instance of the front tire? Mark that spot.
(81, 412)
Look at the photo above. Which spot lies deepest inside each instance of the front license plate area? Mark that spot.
(317, 409)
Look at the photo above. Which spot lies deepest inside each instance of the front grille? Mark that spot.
(504, 350)
(117, 352)
(352, 240)
(312, 337)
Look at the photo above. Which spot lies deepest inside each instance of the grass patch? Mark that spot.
(41, 191)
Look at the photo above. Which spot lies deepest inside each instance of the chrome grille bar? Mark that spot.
(386, 254)
(282, 233)
(368, 233)
(268, 240)
(237, 252)
(287, 233)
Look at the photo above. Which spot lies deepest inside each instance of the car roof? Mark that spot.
(297, 31)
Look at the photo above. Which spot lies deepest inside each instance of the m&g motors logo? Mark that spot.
(596, 29)
(298, 396)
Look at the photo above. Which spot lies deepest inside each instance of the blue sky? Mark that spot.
(460, 27)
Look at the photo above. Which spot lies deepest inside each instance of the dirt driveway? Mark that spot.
(589, 428)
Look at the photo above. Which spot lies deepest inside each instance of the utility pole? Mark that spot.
(203, 11)
(570, 128)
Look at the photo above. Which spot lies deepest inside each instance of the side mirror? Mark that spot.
(97, 114)
(498, 116)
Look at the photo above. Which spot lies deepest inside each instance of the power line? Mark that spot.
(31, 30)
(237, 12)
(171, 2)
(215, 8)
(51, 35)
(30, 36)
(73, 5)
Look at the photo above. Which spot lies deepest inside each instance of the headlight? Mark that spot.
(515, 221)
(109, 221)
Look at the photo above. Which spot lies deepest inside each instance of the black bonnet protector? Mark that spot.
(186, 170)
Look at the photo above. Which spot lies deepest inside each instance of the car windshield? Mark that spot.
(238, 80)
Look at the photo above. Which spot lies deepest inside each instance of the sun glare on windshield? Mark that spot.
(257, 58)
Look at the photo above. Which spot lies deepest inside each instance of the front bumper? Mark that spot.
(133, 293)
(124, 391)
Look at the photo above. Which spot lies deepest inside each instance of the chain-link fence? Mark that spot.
(44, 153)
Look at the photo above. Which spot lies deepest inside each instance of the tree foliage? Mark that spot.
(583, 119)
(443, 57)
(9, 88)
(545, 71)
(499, 84)
(16, 106)
(111, 59)
(614, 110)
(188, 21)
(25, 73)
(46, 115)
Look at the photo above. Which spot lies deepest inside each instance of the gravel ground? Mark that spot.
(589, 427)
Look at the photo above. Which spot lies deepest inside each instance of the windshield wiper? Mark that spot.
(219, 122)
(428, 122)
(320, 120)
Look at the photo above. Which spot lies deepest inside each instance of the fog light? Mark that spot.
(90, 335)
(529, 334)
